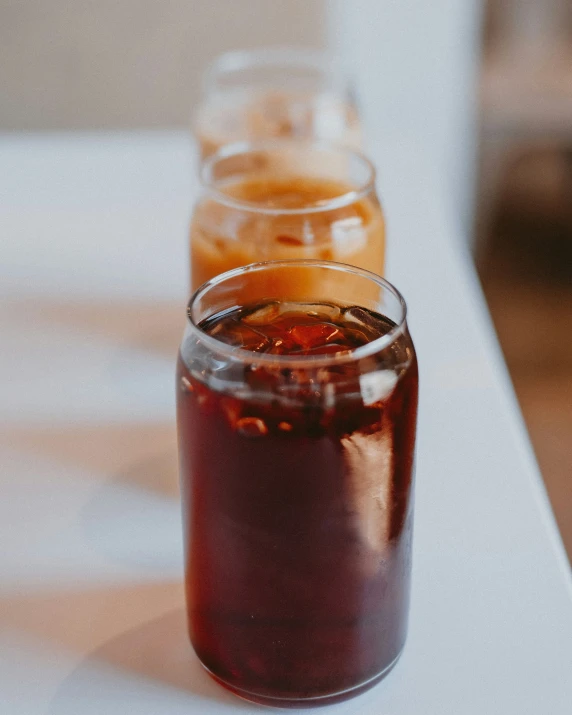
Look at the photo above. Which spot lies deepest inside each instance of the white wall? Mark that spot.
(129, 63)
(417, 62)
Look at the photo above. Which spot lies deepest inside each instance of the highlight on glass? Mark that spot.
(297, 401)
(286, 199)
(276, 92)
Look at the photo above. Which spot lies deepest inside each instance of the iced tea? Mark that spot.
(296, 437)
(286, 200)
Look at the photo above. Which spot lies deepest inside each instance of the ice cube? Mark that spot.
(263, 316)
(371, 326)
(251, 427)
(356, 337)
(263, 380)
(329, 349)
(377, 386)
(216, 363)
(231, 408)
(243, 336)
(326, 311)
(283, 346)
(186, 385)
(315, 335)
(202, 395)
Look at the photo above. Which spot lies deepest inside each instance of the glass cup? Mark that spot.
(276, 92)
(296, 468)
(285, 199)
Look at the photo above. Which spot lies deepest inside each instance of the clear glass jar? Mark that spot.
(276, 92)
(297, 479)
(285, 199)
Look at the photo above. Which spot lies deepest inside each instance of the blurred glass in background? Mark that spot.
(272, 93)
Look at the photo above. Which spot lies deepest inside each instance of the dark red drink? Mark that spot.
(296, 474)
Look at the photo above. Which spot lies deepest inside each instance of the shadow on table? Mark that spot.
(139, 455)
(133, 518)
(150, 326)
(147, 670)
(131, 512)
(152, 669)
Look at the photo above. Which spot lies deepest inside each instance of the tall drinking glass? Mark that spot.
(296, 421)
(276, 92)
(285, 199)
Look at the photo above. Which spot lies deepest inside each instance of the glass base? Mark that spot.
(311, 702)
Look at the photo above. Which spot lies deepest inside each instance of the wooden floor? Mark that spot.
(526, 272)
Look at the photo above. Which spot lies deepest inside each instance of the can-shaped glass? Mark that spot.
(285, 199)
(297, 393)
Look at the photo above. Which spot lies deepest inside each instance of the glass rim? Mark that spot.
(274, 55)
(248, 147)
(307, 361)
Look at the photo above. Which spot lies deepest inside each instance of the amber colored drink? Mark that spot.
(287, 203)
(297, 496)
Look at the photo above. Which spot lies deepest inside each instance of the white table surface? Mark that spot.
(93, 271)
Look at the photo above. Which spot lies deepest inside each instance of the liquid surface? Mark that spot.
(296, 490)
(294, 193)
(297, 329)
(225, 237)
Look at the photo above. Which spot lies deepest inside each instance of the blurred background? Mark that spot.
(79, 65)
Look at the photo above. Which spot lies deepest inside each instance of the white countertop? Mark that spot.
(93, 274)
